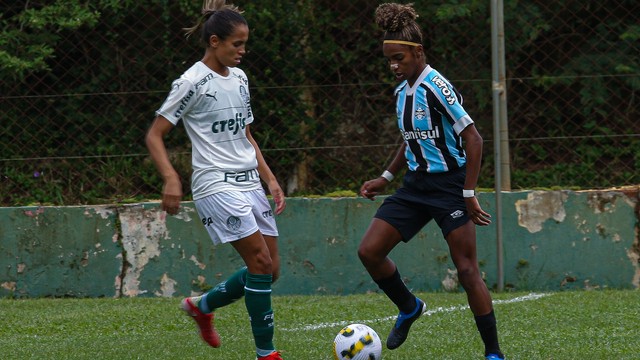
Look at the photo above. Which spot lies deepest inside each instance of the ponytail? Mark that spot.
(218, 18)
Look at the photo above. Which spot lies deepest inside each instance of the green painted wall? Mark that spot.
(553, 240)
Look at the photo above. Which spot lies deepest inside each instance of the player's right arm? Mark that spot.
(375, 186)
(172, 188)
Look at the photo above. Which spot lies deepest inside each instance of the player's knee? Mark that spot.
(468, 276)
(364, 255)
(261, 264)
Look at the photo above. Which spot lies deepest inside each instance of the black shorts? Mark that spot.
(422, 197)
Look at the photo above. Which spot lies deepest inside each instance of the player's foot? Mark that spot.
(494, 357)
(204, 321)
(273, 356)
(400, 330)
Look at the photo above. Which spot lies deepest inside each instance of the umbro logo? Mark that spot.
(456, 214)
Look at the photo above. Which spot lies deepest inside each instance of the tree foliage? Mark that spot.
(83, 79)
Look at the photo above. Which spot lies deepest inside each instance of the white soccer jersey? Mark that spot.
(215, 111)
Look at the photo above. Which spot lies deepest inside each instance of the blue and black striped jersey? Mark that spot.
(430, 119)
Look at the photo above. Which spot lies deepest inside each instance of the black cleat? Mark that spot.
(400, 330)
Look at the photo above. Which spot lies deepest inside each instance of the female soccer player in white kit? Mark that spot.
(212, 100)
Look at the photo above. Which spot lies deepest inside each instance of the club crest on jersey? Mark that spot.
(420, 113)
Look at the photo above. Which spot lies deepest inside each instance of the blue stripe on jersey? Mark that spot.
(401, 103)
(430, 121)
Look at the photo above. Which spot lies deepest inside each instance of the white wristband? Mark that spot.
(468, 193)
(387, 175)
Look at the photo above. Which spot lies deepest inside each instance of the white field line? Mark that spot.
(529, 297)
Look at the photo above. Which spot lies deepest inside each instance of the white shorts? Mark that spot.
(233, 215)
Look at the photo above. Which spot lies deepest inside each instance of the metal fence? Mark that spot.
(73, 121)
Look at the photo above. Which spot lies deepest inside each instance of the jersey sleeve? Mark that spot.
(449, 103)
(249, 111)
(244, 93)
(179, 101)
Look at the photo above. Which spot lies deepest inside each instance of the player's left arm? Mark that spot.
(267, 175)
(473, 149)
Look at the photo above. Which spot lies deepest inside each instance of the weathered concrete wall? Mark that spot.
(552, 240)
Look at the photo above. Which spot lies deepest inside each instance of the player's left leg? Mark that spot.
(272, 245)
(254, 251)
(259, 301)
(462, 246)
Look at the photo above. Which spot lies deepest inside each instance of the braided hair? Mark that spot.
(399, 22)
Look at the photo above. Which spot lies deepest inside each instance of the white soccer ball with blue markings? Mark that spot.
(357, 342)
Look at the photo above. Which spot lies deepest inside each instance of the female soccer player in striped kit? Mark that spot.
(439, 183)
(212, 100)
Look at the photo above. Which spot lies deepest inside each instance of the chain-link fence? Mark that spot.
(81, 82)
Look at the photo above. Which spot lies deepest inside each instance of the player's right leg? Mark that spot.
(202, 308)
(378, 241)
(204, 322)
(226, 219)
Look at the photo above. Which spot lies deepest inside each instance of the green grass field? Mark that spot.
(600, 324)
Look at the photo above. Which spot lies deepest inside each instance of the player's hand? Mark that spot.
(278, 197)
(476, 214)
(370, 189)
(171, 196)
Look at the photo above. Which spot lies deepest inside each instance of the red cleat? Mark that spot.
(273, 356)
(205, 323)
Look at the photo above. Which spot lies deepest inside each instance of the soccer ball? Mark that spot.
(357, 342)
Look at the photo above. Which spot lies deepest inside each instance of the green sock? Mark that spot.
(258, 301)
(225, 292)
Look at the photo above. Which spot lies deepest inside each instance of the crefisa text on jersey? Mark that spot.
(232, 125)
(183, 104)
